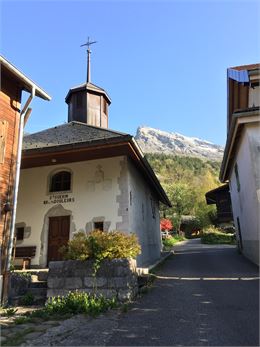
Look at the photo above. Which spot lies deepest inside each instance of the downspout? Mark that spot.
(23, 115)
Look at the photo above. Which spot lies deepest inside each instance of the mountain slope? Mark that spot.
(157, 141)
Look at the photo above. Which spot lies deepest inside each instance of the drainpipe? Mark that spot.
(23, 116)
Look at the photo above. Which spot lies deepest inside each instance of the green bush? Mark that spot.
(101, 245)
(22, 320)
(78, 302)
(27, 299)
(213, 235)
(170, 241)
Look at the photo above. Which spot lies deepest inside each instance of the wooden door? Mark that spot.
(59, 230)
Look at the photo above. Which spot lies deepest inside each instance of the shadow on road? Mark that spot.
(202, 296)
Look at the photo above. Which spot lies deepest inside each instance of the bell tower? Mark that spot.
(88, 103)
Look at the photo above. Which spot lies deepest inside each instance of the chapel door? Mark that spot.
(59, 230)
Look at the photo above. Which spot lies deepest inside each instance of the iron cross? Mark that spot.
(88, 43)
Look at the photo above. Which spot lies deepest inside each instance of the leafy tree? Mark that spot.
(166, 224)
(186, 180)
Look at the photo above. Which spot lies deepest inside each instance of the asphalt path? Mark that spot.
(204, 296)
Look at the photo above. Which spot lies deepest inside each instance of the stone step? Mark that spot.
(37, 275)
(43, 275)
(38, 284)
(38, 291)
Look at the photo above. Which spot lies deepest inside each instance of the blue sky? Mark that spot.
(163, 63)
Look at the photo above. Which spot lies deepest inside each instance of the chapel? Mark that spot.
(82, 176)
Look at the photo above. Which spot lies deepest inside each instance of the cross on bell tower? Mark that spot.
(88, 44)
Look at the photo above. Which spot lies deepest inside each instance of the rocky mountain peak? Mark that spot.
(158, 141)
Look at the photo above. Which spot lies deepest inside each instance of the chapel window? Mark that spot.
(61, 181)
(99, 226)
(19, 233)
(104, 106)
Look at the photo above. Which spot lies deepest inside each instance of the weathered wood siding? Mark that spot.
(10, 98)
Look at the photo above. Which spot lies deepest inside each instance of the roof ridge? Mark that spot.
(97, 127)
(79, 123)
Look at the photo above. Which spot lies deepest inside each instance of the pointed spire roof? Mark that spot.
(88, 87)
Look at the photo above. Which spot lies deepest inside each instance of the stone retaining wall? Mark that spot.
(115, 278)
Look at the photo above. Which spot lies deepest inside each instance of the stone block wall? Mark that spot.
(115, 278)
(18, 285)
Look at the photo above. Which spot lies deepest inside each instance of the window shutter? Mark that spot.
(3, 139)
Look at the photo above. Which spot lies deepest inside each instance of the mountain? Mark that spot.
(157, 141)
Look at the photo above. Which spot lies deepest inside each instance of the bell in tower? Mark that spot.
(88, 103)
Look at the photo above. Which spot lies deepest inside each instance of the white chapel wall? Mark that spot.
(93, 197)
(144, 217)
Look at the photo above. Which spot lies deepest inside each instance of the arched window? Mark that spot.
(61, 181)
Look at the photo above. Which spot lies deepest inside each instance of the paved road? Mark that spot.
(205, 296)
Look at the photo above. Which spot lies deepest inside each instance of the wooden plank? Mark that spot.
(3, 139)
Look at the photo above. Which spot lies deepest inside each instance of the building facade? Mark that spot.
(82, 176)
(241, 162)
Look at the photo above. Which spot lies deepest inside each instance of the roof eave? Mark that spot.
(75, 90)
(126, 139)
(64, 147)
(28, 84)
(163, 196)
(238, 119)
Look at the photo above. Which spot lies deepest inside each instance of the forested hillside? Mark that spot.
(186, 180)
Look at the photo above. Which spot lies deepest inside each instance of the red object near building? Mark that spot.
(166, 224)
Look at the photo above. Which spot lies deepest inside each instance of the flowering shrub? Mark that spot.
(166, 224)
(101, 245)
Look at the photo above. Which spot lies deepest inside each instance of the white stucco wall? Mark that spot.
(246, 202)
(93, 200)
(100, 192)
(142, 220)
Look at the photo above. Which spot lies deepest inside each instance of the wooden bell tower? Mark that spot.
(88, 103)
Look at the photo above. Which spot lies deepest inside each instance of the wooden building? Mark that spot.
(12, 119)
(221, 198)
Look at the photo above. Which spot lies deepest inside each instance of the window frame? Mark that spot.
(50, 181)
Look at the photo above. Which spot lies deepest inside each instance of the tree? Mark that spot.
(183, 199)
(166, 224)
(186, 180)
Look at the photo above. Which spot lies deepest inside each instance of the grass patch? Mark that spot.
(77, 302)
(22, 320)
(217, 237)
(170, 241)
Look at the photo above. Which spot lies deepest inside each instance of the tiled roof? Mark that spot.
(69, 133)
